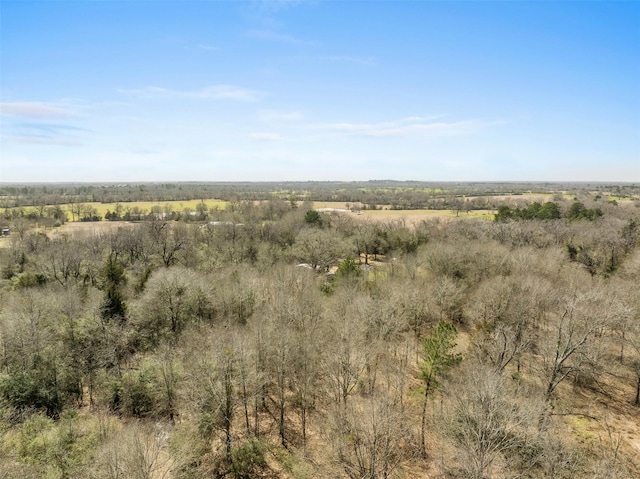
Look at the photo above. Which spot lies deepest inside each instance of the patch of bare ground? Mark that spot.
(89, 227)
(73, 228)
(414, 217)
(601, 418)
(408, 217)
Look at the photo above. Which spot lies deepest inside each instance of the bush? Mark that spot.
(32, 390)
(313, 217)
(28, 280)
(132, 396)
(248, 459)
(348, 268)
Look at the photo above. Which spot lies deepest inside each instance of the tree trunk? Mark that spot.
(303, 419)
(281, 421)
(228, 407)
(423, 429)
(245, 405)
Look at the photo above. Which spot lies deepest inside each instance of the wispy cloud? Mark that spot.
(212, 92)
(43, 140)
(274, 36)
(49, 128)
(143, 151)
(34, 110)
(271, 115)
(265, 137)
(40, 123)
(44, 133)
(411, 126)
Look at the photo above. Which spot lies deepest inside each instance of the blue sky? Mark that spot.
(293, 90)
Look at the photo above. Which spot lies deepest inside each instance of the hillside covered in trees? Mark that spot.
(282, 342)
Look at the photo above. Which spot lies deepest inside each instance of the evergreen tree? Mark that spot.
(113, 305)
(437, 359)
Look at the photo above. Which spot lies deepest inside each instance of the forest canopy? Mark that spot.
(271, 338)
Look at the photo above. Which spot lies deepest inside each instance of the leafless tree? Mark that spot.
(136, 452)
(370, 437)
(167, 241)
(487, 423)
(572, 345)
(344, 361)
(62, 259)
(507, 312)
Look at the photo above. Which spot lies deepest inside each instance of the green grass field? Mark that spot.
(102, 208)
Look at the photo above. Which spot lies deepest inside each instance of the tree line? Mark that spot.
(364, 194)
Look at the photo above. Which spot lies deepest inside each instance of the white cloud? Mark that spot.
(411, 126)
(143, 151)
(39, 123)
(271, 115)
(212, 92)
(265, 136)
(43, 140)
(429, 129)
(34, 110)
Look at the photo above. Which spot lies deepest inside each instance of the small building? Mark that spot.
(5, 231)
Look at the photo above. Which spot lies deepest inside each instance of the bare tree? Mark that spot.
(167, 241)
(506, 313)
(214, 386)
(173, 297)
(370, 436)
(62, 259)
(344, 361)
(137, 452)
(76, 210)
(320, 248)
(572, 345)
(487, 422)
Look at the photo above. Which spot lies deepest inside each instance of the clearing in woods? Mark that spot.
(409, 216)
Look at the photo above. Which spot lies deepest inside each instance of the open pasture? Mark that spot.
(147, 206)
(409, 216)
(88, 227)
(416, 216)
(101, 209)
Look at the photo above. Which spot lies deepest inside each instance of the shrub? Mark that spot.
(248, 459)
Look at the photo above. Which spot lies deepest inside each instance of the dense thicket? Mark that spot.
(281, 343)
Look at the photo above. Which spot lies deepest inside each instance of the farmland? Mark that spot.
(148, 206)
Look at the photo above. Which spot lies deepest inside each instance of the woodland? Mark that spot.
(268, 339)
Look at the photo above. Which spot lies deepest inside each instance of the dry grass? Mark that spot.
(94, 227)
(410, 217)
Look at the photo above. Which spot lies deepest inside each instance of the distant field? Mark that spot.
(410, 216)
(90, 227)
(416, 216)
(146, 206)
(211, 204)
